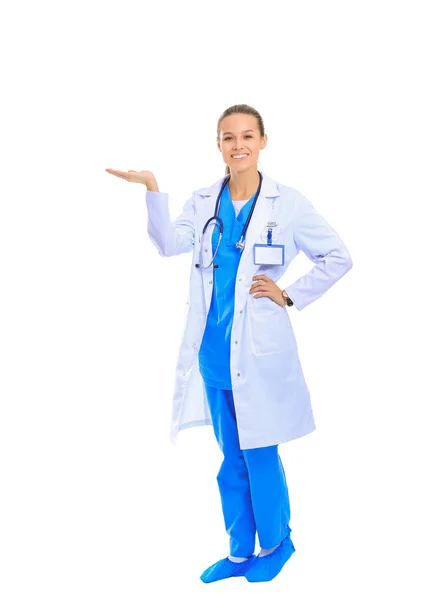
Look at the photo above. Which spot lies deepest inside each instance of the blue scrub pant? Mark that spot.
(252, 483)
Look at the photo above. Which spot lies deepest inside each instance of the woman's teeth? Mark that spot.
(239, 155)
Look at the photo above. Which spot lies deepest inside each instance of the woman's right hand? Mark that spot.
(145, 177)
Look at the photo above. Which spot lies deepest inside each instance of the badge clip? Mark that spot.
(269, 237)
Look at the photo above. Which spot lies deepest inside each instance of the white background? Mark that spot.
(95, 501)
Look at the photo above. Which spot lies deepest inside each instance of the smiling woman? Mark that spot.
(238, 367)
(240, 138)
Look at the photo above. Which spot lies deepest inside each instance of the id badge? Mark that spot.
(269, 254)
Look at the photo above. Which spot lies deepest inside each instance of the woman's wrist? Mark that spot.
(288, 301)
(281, 301)
(152, 185)
(284, 296)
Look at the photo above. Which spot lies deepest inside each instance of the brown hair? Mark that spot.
(244, 109)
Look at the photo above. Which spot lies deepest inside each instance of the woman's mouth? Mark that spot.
(239, 156)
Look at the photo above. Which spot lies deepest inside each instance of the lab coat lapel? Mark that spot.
(260, 217)
(205, 200)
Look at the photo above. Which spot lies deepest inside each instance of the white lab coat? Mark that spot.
(272, 401)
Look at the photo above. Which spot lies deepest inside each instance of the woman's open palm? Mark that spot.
(133, 176)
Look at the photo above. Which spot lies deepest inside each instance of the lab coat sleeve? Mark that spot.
(170, 237)
(322, 245)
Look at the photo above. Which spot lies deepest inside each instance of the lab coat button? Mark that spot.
(240, 278)
(210, 282)
(238, 374)
(236, 341)
(194, 344)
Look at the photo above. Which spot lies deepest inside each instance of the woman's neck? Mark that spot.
(243, 185)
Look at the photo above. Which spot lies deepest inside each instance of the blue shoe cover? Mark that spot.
(226, 568)
(265, 568)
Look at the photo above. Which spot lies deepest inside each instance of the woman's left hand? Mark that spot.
(267, 287)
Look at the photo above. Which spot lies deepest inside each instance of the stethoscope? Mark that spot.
(240, 243)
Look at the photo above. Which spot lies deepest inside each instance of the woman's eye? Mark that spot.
(228, 138)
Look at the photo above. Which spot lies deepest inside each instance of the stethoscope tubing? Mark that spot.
(241, 242)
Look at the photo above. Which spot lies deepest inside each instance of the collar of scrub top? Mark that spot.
(241, 242)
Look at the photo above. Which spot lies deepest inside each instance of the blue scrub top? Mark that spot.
(214, 353)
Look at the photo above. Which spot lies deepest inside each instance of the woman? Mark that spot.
(238, 367)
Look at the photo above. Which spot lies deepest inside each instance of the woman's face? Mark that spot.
(239, 134)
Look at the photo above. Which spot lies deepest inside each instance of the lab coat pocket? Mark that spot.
(269, 326)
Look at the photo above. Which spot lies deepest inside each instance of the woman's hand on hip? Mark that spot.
(264, 286)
